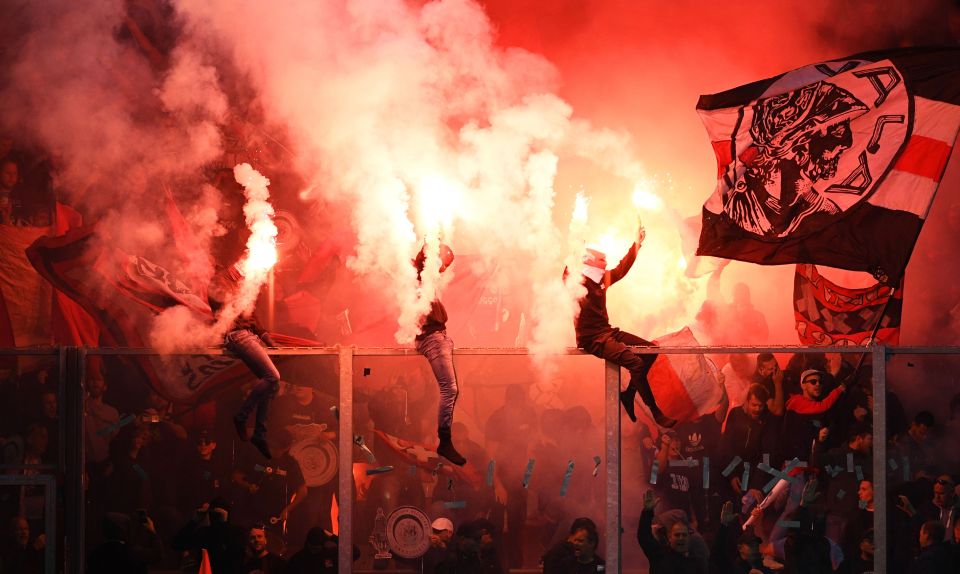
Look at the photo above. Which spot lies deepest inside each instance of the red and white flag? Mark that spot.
(685, 385)
(835, 163)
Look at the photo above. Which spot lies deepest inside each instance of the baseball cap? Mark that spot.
(442, 524)
(808, 373)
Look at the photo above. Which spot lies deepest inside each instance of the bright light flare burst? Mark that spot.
(645, 198)
(580, 208)
(258, 213)
(438, 202)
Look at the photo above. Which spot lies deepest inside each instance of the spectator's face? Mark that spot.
(486, 540)
(755, 407)
(679, 537)
(865, 444)
(812, 386)
(257, 541)
(919, 432)
(21, 531)
(206, 447)
(749, 552)
(924, 538)
(578, 540)
(943, 494)
(9, 175)
(865, 492)
(766, 368)
(675, 448)
(444, 535)
(96, 387)
(866, 546)
(49, 405)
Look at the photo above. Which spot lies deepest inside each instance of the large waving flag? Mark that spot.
(834, 163)
(829, 314)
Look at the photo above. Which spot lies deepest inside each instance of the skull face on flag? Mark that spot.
(798, 140)
(835, 163)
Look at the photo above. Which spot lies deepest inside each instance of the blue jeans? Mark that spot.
(248, 348)
(437, 347)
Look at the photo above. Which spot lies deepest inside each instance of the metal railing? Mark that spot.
(72, 362)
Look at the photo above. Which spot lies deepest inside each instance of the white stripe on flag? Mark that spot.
(936, 120)
(904, 191)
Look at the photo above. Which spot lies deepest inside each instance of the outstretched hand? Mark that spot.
(650, 501)
(903, 503)
(809, 494)
(641, 235)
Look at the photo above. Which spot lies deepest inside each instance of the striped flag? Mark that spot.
(835, 163)
(685, 386)
(829, 314)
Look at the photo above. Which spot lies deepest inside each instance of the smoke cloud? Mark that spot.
(449, 121)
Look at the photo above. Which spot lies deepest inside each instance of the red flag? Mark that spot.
(70, 324)
(835, 163)
(831, 315)
(124, 293)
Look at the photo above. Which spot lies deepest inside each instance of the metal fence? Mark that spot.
(69, 470)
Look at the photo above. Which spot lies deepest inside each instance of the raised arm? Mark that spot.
(645, 538)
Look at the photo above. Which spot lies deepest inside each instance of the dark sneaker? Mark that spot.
(241, 426)
(447, 451)
(261, 444)
(627, 400)
(662, 419)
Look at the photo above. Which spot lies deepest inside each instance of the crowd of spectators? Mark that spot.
(789, 484)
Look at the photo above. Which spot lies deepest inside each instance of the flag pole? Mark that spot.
(876, 328)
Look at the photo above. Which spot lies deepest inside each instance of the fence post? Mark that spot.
(612, 446)
(345, 460)
(73, 458)
(879, 364)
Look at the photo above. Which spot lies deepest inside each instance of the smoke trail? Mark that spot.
(178, 328)
(81, 87)
(261, 252)
(402, 110)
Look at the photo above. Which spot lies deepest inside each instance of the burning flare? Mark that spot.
(261, 254)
